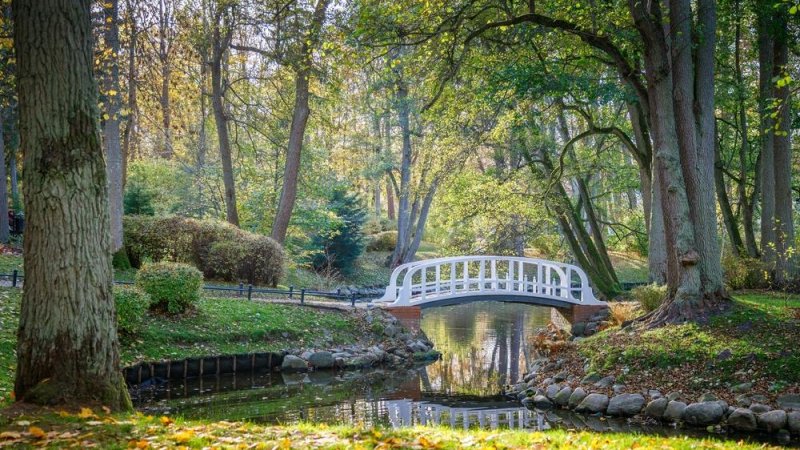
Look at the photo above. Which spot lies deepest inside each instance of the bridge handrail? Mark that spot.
(563, 270)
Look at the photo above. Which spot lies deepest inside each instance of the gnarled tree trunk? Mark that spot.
(67, 349)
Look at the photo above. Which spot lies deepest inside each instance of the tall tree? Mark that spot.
(111, 120)
(67, 348)
(221, 34)
(302, 66)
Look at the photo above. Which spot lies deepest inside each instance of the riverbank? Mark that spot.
(27, 427)
(741, 370)
(348, 338)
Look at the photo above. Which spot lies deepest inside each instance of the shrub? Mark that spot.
(132, 306)
(382, 242)
(173, 287)
(649, 296)
(623, 311)
(138, 200)
(337, 247)
(218, 249)
(744, 272)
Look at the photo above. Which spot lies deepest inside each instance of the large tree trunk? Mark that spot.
(291, 170)
(129, 136)
(220, 40)
(300, 115)
(765, 94)
(785, 263)
(4, 232)
(164, 47)
(747, 202)
(403, 211)
(686, 299)
(111, 138)
(67, 348)
(728, 218)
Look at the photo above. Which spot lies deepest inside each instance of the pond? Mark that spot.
(484, 346)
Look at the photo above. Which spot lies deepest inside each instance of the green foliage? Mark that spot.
(649, 296)
(120, 260)
(132, 304)
(337, 246)
(744, 272)
(385, 241)
(138, 200)
(219, 249)
(172, 287)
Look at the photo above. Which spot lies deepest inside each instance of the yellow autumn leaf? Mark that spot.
(36, 432)
(165, 420)
(183, 437)
(86, 413)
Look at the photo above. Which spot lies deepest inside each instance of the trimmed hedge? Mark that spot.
(132, 304)
(218, 249)
(172, 287)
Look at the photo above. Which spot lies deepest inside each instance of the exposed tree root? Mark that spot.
(678, 311)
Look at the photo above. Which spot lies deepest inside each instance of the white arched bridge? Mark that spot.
(462, 279)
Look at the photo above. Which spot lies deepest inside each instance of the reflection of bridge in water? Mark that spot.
(406, 413)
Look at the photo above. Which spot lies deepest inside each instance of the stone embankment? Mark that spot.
(388, 345)
(548, 385)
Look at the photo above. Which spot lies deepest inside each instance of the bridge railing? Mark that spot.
(424, 281)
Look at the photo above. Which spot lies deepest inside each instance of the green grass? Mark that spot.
(50, 430)
(216, 327)
(759, 331)
(9, 263)
(630, 267)
(226, 326)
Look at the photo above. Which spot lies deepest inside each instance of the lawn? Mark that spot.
(216, 327)
(755, 341)
(94, 428)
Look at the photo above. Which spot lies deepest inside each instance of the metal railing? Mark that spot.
(248, 291)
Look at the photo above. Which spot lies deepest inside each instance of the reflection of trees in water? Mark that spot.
(483, 345)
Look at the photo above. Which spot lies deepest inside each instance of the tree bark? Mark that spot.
(300, 115)
(129, 136)
(4, 231)
(111, 137)
(785, 263)
(747, 202)
(765, 95)
(403, 211)
(220, 40)
(67, 348)
(728, 218)
(164, 48)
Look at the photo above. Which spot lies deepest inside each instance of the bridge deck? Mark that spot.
(445, 281)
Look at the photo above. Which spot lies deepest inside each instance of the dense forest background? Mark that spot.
(466, 127)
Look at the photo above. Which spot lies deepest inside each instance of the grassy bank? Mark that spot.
(91, 428)
(217, 326)
(754, 342)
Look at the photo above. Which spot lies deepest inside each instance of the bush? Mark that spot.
(623, 311)
(382, 242)
(138, 200)
(173, 287)
(649, 296)
(249, 259)
(132, 306)
(218, 249)
(744, 272)
(337, 247)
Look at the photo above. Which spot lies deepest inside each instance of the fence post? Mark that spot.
(249, 291)
(353, 299)
(14, 278)
(241, 289)
(291, 291)
(302, 296)
(338, 291)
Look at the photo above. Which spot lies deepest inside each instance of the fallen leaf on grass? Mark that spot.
(165, 420)
(86, 413)
(182, 437)
(10, 435)
(36, 432)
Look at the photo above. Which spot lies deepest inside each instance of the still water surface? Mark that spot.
(484, 346)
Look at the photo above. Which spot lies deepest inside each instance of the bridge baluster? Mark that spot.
(482, 275)
(424, 282)
(453, 277)
(493, 270)
(438, 278)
